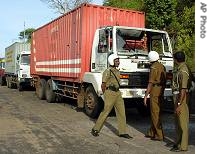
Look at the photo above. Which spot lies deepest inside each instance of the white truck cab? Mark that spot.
(132, 45)
(23, 67)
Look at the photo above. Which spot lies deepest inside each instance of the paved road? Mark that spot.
(32, 126)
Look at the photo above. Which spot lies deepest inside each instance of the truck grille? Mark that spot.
(138, 79)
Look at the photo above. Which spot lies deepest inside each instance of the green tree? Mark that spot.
(160, 14)
(186, 35)
(125, 4)
(26, 34)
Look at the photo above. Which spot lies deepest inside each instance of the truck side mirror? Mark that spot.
(18, 57)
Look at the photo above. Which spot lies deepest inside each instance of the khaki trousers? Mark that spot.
(156, 126)
(112, 99)
(182, 124)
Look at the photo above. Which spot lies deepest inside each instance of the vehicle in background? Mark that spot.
(17, 65)
(2, 75)
(69, 54)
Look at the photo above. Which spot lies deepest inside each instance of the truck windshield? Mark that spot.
(140, 42)
(25, 59)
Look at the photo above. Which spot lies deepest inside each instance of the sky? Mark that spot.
(14, 13)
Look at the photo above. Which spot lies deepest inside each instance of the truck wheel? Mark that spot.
(92, 104)
(20, 87)
(40, 89)
(50, 95)
(1, 81)
(9, 84)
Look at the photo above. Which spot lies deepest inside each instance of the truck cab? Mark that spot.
(23, 69)
(132, 45)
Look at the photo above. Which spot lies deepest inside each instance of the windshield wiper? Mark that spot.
(138, 54)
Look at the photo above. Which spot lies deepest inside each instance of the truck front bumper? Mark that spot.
(140, 93)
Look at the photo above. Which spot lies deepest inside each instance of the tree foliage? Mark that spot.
(125, 4)
(63, 6)
(160, 14)
(186, 35)
(26, 34)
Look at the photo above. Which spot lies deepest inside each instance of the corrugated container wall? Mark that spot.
(62, 48)
(11, 53)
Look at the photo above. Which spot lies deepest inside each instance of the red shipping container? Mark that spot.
(62, 48)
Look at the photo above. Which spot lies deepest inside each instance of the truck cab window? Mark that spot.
(25, 59)
(159, 43)
(131, 41)
(103, 42)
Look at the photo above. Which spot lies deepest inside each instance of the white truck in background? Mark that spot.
(17, 65)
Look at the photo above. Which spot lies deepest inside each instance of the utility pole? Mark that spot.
(24, 33)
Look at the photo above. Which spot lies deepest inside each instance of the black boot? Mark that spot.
(126, 136)
(94, 132)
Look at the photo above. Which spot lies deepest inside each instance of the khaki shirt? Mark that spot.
(157, 77)
(109, 78)
(181, 77)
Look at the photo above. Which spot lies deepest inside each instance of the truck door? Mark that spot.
(102, 51)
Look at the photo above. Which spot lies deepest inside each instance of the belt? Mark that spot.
(112, 88)
(156, 85)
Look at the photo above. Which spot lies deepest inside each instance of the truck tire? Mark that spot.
(92, 104)
(9, 84)
(3, 81)
(50, 95)
(20, 86)
(40, 89)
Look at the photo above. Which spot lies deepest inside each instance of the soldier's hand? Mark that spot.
(103, 87)
(178, 110)
(145, 101)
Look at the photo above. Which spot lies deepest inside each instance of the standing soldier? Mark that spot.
(112, 98)
(181, 83)
(156, 86)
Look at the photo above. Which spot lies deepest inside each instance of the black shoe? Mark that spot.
(175, 146)
(126, 136)
(94, 132)
(176, 149)
(170, 144)
(79, 109)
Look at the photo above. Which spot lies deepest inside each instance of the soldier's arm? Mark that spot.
(149, 88)
(103, 86)
(183, 91)
(150, 84)
(105, 77)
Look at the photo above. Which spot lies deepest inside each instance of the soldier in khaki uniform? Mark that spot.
(112, 98)
(156, 86)
(181, 84)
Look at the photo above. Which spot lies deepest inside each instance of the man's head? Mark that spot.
(179, 56)
(153, 56)
(113, 60)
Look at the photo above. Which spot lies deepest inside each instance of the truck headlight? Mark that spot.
(24, 75)
(124, 82)
(22, 80)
